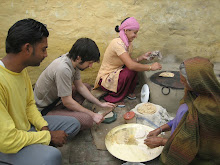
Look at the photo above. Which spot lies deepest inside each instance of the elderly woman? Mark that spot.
(118, 72)
(195, 129)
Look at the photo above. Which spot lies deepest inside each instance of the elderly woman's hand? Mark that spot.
(155, 141)
(155, 132)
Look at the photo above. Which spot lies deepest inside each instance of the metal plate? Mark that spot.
(122, 142)
(169, 82)
(145, 92)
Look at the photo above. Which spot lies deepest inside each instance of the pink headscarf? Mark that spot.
(130, 24)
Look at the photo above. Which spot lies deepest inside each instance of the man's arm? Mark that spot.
(71, 104)
(13, 140)
(83, 90)
(58, 137)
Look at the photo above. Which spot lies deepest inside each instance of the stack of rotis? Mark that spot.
(150, 114)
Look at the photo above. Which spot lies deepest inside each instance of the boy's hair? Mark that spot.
(86, 49)
(24, 31)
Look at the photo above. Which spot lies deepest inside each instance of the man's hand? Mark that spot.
(45, 128)
(107, 105)
(58, 138)
(97, 118)
(155, 141)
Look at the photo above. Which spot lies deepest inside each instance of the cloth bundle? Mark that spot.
(155, 53)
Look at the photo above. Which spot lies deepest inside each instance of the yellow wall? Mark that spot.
(178, 28)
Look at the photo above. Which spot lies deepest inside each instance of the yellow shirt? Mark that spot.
(112, 65)
(17, 112)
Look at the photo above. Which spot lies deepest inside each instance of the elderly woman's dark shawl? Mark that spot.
(196, 140)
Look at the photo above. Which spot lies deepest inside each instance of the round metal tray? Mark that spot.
(128, 147)
(168, 82)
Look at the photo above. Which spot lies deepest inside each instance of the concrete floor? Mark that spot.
(82, 151)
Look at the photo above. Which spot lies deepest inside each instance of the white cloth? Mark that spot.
(155, 120)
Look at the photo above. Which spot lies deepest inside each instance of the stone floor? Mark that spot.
(82, 151)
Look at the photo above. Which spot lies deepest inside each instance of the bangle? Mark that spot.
(137, 59)
(161, 130)
(150, 67)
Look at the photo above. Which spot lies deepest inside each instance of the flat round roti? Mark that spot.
(140, 133)
(147, 109)
(111, 114)
(166, 74)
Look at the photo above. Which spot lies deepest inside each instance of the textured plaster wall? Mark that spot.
(179, 29)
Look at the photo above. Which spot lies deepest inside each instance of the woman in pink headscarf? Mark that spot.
(118, 72)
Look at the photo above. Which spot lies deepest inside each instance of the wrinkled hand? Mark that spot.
(153, 142)
(107, 105)
(58, 138)
(98, 118)
(153, 133)
(156, 66)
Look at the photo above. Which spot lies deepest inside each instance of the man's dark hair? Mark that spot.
(86, 49)
(24, 31)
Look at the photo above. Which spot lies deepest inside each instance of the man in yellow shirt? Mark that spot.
(24, 133)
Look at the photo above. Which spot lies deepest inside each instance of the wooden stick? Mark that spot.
(107, 112)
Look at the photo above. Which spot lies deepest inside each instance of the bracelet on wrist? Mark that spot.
(161, 130)
(137, 59)
(150, 67)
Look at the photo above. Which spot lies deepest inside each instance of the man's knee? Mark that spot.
(86, 122)
(52, 157)
(35, 154)
(73, 126)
